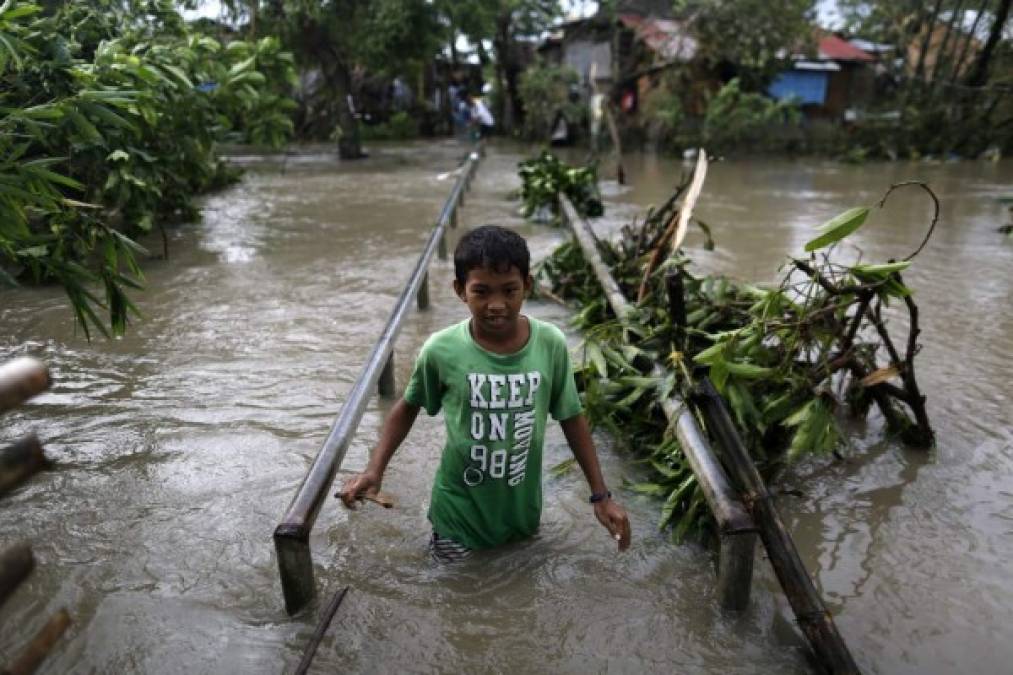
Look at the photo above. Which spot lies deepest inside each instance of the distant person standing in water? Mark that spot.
(481, 117)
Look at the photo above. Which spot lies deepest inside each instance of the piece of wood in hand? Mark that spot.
(381, 498)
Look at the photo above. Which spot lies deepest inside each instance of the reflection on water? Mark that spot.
(180, 445)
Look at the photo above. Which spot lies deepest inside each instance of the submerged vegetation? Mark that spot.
(791, 360)
(544, 177)
(109, 115)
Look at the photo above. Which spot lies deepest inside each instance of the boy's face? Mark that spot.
(494, 298)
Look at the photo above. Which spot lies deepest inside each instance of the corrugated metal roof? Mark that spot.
(665, 37)
(833, 47)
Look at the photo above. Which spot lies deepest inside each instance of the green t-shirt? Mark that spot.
(488, 488)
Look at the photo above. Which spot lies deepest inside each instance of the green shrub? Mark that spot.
(400, 126)
(736, 119)
(545, 90)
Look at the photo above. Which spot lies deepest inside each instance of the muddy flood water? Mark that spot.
(179, 446)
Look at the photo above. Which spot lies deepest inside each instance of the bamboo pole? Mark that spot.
(318, 634)
(20, 380)
(37, 650)
(813, 618)
(15, 564)
(735, 525)
(292, 534)
(20, 461)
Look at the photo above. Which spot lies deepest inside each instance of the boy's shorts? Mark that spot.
(446, 550)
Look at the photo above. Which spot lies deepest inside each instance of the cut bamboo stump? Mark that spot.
(20, 380)
(15, 564)
(20, 461)
(40, 646)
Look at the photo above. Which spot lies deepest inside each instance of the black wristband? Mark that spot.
(599, 497)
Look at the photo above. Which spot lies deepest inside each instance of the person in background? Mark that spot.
(481, 118)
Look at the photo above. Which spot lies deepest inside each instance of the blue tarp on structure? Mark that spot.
(804, 85)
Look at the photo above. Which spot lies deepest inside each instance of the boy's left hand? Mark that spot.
(613, 517)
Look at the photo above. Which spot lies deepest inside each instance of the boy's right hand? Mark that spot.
(365, 483)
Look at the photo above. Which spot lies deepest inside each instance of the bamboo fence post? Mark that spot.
(735, 569)
(813, 618)
(441, 252)
(385, 385)
(20, 380)
(676, 299)
(20, 461)
(423, 297)
(15, 564)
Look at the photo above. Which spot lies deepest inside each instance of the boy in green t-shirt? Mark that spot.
(496, 376)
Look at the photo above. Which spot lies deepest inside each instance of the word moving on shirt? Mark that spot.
(514, 393)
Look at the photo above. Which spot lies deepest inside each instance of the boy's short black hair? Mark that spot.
(492, 247)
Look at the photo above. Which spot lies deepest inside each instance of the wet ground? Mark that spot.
(180, 445)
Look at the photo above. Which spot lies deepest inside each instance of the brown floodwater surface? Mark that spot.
(179, 446)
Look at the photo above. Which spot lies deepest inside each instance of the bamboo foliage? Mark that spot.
(790, 359)
(108, 128)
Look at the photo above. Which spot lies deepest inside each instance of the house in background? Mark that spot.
(622, 57)
(835, 84)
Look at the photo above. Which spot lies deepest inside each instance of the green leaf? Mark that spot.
(839, 227)
(563, 467)
(711, 354)
(178, 73)
(749, 371)
(594, 354)
(670, 508)
(883, 270)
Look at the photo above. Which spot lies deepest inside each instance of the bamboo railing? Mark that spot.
(736, 531)
(739, 521)
(291, 536)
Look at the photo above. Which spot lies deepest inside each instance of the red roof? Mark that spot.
(833, 47)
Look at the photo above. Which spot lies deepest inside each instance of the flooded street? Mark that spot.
(179, 446)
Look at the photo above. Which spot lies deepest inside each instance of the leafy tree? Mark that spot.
(951, 83)
(341, 37)
(507, 24)
(108, 124)
(545, 91)
(752, 39)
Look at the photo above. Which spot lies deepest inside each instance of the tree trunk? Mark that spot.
(253, 19)
(349, 145)
(335, 71)
(507, 72)
(979, 74)
(958, 65)
(937, 69)
(930, 28)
